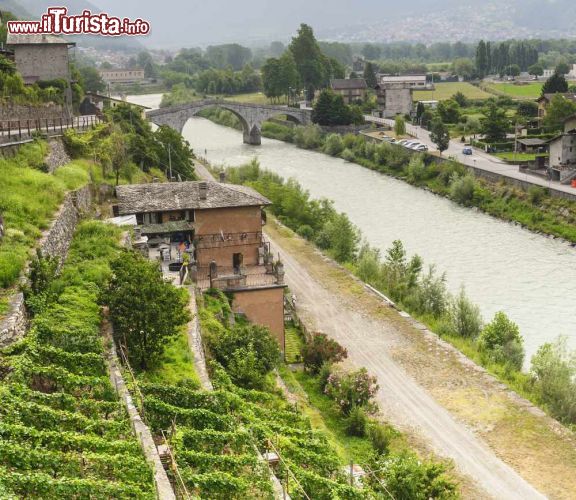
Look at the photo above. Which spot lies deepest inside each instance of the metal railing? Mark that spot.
(19, 129)
(220, 240)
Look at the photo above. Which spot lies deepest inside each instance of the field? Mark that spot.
(527, 91)
(252, 98)
(446, 90)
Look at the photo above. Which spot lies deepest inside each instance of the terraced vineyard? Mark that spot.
(63, 431)
(218, 433)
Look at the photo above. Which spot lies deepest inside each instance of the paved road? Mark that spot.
(409, 405)
(478, 159)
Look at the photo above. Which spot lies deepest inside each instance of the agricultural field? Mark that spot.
(524, 91)
(446, 90)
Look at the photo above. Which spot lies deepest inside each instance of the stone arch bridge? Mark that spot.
(251, 115)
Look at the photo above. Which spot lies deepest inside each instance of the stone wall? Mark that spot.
(57, 157)
(14, 112)
(54, 243)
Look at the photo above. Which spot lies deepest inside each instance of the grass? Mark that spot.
(446, 90)
(294, 343)
(29, 198)
(176, 364)
(251, 98)
(529, 90)
(512, 156)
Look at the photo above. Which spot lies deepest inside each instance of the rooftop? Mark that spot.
(403, 78)
(567, 95)
(348, 83)
(36, 39)
(157, 197)
(532, 141)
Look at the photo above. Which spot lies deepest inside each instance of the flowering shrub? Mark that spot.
(322, 349)
(350, 390)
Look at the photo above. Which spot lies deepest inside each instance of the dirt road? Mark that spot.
(405, 403)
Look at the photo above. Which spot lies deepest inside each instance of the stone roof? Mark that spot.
(158, 197)
(567, 95)
(19, 39)
(348, 83)
(167, 227)
(531, 141)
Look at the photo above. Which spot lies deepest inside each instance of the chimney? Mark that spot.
(203, 189)
(222, 176)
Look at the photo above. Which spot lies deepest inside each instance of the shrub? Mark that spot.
(351, 390)
(308, 137)
(554, 371)
(322, 350)
(536, 194)
(356, 423)
(465, 317)
(416, 169)
(502, 341)
(380, 437)
(248, 352)
(333, 145)
(462, 189)
(348, 155)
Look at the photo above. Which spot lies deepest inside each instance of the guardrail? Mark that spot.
(11, 130)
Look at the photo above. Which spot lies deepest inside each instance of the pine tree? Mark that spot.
(556, 83)
(370, 75)
(481, 59)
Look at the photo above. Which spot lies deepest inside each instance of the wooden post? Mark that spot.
(19, 130)
(61, 131)
(28, 124)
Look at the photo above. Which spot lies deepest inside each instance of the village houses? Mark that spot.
(215, 230)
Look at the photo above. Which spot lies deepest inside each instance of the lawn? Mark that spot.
(294, 343)
(525, 91)
(512, 156)
(252, 98)
(446, 90)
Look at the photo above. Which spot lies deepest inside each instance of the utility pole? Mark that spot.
(170, 162)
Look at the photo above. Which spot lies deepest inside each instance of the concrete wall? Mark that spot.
(263, 306)
(42, 62)
(225, 221)
(54, 243)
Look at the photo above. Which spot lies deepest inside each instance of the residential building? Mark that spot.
(111, 76)
(562, 160)
(545, 100)
(351, 89)
(40, 57)
(417, 82)
(219, 226)
(95, 104)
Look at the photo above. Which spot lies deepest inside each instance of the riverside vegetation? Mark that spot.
(422, 291)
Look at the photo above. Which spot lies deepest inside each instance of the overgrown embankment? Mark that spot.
(496, 345)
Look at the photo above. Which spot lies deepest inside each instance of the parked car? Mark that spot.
(409, 144)
(467, 150)
(421, 147)
(402, 142)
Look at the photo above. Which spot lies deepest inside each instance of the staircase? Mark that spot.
(567, 176)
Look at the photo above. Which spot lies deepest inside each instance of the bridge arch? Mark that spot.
(250, 115)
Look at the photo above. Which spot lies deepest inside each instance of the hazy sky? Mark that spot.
(214, 21)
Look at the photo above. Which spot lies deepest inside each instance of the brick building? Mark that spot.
(351, 89)
(219, 225)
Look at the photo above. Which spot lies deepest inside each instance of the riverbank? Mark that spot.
(534, 209)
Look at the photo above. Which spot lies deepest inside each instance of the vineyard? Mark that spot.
(63, 432)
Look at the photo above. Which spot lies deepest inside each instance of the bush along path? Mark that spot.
(64, 433)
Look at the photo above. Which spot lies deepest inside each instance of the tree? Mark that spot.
(439, 134)
(463, 67)
(248, 352)
(513, 70)
(272, 78)
(554, 370)
(461, 99)
(465, 317)
(557, 112)
(495, 123)
(482, 59)
(370, 75)
(449, 111)
(322, 350)
(310, 62)
(536, 70)
(174, 151)
(502, 341)
(144, 310)
(91, 79)
(562, 68)
(371, 52)
(555, 84)
(527, 109)
(330, 110)
(399, 126)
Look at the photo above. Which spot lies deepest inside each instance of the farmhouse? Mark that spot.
(351, 89)
(214, 230)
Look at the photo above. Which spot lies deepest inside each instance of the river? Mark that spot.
(530, 277)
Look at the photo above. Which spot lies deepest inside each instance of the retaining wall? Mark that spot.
(55, 242)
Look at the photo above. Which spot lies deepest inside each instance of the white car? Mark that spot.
(402, 142)
(411, 144)
(421, 147)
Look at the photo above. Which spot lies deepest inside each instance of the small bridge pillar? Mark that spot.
(253, 136)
